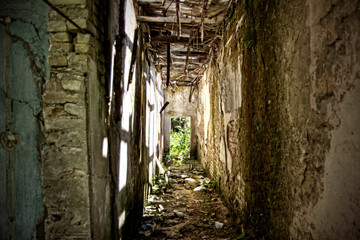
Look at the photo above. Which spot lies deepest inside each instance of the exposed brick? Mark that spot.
(84, 48)
(72, 139)
(57, 60)
(52, 85)
(83, 24)
(67, 76)
(60, 37)
(52, 137)
(84, 38)
(79, 62)
(65, 164)
(51, 112)
(71, 85)
(70, 11)
(74, 109)
(64, 123)
(56, 26)
(60, 97)
(61, 47)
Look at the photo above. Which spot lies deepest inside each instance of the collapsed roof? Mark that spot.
(180, 35)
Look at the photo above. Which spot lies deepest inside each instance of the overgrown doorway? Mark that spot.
(180, 141)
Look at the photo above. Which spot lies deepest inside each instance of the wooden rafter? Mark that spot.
(168, 65)
(172, 19)
(178, 19)
(181, 34)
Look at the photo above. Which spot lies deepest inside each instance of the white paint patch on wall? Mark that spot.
(205, 100)
(222, 153)
(130, 26)
(238, 81)
(231, 86)
(336, 215)
(123, 162)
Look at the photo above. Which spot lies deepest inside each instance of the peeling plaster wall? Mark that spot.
(334, 94)
(277, 118)
(28, 71)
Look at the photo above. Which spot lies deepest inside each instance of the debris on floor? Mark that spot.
(186, 207)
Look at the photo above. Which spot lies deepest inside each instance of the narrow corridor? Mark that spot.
(186, 206)
(270, 91)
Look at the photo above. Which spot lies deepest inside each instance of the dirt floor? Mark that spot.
(185, 205)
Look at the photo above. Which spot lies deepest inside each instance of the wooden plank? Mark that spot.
(192, 58)
(178, 19)
(193, 54)
(203, 13)
(175, 40)
(163, 107)
(150, 1)
(168, 65)
(172, 19)
(133, 57)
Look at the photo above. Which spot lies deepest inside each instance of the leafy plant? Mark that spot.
(243, 236)
(211, 184)
(179, 141)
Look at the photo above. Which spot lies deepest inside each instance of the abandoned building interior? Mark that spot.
(88, 89)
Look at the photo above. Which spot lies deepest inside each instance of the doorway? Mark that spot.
(180, 141)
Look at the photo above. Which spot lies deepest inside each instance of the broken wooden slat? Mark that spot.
(163, 107)
(192, 89)
(203, 13)
(178, 19)
(168, 65)
(170, 39)
(172, 19)
(174, 39)
(187, 59)
(172, 24)
(133, 57)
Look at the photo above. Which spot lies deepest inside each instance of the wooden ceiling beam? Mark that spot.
(150, 1)
(174, 39)
(181, 34)
(181, 47)
(172, 19)
(183, 57)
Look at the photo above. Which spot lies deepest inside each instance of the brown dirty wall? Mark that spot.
(277, 116)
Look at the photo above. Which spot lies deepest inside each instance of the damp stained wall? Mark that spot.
(283, 146)
(28, 71)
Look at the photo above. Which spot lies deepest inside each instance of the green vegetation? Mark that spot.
(179, 141)
(243, 236)
(211, 184)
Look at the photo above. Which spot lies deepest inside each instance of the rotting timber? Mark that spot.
(180, 36)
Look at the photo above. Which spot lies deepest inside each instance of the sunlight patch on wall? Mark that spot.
(123, 164)
(121, 219)
(105, 147)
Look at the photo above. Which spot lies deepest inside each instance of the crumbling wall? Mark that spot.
(331, 213)
(23, 70)
(76, 178)
(282, 146)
